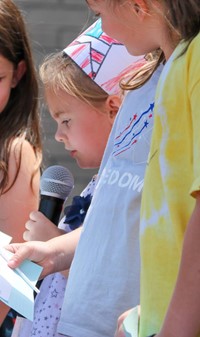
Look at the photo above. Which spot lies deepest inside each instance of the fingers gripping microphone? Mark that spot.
(56, 184)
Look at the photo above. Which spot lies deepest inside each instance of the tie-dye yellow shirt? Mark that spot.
(172, 178)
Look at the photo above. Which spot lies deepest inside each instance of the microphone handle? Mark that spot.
(51, 207)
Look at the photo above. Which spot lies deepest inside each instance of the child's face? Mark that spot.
(6, 81)
(138, 29)
(83, 129)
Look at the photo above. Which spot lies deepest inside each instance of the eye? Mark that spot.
(66, 121)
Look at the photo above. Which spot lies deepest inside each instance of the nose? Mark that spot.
(59, 136)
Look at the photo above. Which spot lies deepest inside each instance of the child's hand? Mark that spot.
(40, 228)
(54, 255)
(39, 252)
(120, 331)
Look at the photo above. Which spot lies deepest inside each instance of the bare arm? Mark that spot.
(53, 255)
(182, 317)
(20, 200)
(23, 197)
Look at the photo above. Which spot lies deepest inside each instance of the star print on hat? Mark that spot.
(102, 58)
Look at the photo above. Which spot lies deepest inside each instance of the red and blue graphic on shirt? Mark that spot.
(131, 134)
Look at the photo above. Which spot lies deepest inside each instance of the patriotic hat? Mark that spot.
(102, 58)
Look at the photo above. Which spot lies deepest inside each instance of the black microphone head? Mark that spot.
(56, 181)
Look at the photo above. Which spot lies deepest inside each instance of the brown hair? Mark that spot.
(184, 16)
(20, 116)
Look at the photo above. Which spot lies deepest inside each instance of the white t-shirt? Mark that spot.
(105, 274)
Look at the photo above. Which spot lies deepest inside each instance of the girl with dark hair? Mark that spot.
(20, 144)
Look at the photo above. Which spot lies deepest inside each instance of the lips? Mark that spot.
(73, 153)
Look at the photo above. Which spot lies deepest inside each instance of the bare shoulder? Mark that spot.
(21, 147)
(22, 191)
(23, 160)
(22, 153)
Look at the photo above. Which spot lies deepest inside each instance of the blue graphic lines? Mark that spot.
(133, 132)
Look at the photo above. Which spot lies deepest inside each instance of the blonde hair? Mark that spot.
(140, 75)
(60, 72)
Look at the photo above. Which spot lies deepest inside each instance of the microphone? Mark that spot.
(56, 184)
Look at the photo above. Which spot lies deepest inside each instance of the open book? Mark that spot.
(17, 285)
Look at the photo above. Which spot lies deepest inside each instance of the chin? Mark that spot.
(81, 164)
(134, 51)
(87, 165)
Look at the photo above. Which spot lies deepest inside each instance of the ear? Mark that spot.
(140, 8)
(113, 104)
(18, 73)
